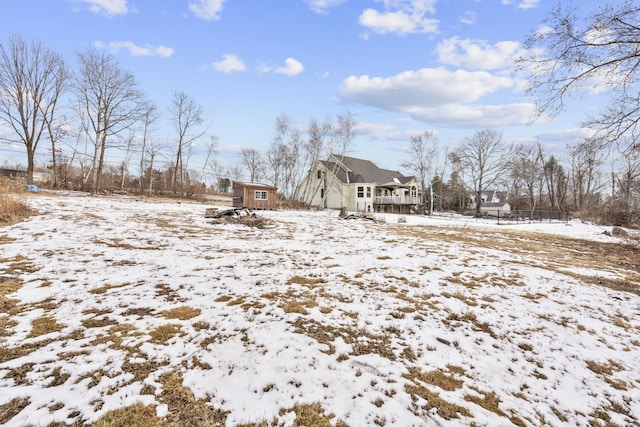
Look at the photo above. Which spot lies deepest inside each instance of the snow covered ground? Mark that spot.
(406, 321)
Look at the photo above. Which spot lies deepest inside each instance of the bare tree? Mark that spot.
(211, 149)
(130, 143)
(627, 196)
(596, 53)
(342, 135)
(313, 151)
(252, 160)
(32, 79)
(423, 159)
(152, 151)
(109, 103)
(236, 172)
(148, 120)
(218, 171)
(186, 116)
(341, 138)
(556, 182)
(586, 159)
(485, 158)
(284, 157)
(526, 170)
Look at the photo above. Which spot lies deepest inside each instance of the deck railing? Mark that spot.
(396, 200)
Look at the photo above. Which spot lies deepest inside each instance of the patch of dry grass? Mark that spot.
(44, 325)
(184, 409)
(182, 313)
(162, 334)
(307, 281)
(427, 400)
(19, 374)
(8, 285)
(445, 380)
(361, 340)
(13, 208)
(12, 408)
(137, 415)
(6, 323)
(106, 287)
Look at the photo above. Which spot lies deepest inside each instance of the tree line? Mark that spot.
(587, 180)
(106, 110)
(597, 177)
(93, 108)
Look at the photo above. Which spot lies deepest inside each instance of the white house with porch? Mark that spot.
(358, 185)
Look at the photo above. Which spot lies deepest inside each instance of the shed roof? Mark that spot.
(254, 185)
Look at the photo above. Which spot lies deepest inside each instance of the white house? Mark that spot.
(358, 186)
(496, 208)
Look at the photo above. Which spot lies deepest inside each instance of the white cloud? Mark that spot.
(291, 68)
(478, 54)
(528, 4)
(208, 10)
(468, 18)
(135, 50)
(438, 95)
(523, 4)
(429, 85)
(382, 132)
(323, 6)
(105, 7)
(229, 64)
(475, 116)
(401, 17)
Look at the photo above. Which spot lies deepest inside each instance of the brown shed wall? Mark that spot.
(244, 197)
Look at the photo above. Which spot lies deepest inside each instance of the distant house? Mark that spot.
(491, 196)
(253, 195)
(495, 208)
(358, 185)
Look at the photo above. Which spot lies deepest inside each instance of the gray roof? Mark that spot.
(364, 171)
(494, 204)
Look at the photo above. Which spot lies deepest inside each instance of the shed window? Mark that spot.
(261, 195)
(360, 191)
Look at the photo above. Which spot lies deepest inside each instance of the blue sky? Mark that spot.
(400, 67)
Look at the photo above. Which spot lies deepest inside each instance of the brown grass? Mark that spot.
(8, 285)
(12, 205)
(44, 325)
(446, 410)
(137, 415)
(182, 313)
(184, 409)
(12, 408)
(162, 334)
(438, 378)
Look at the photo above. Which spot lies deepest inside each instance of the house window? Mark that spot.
(322, 193)
(414, 191)
(319, 174)
(360, 192)
(261, 195)
(368, 192)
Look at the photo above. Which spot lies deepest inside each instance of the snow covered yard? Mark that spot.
(116, 309)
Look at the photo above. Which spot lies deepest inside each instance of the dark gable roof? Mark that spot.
(494, 204)
(364, 171)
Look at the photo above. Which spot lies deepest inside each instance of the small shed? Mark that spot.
(253, 195)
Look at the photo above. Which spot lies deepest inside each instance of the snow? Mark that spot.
(507, 305)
